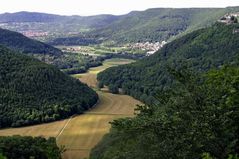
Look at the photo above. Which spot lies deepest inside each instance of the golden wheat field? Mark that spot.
(79, 134)
(90, 77)
(83, 132)
(46, 130)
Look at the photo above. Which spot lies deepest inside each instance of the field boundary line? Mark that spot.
(78, 149)
(64, 127)
(96, 113)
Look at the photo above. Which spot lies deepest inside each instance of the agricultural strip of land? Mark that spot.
(81, 133)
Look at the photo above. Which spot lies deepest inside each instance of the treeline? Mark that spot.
(197, 118)
(71, 63)
(32, 92)
(17, 147)
(200, 50)
(76, 40)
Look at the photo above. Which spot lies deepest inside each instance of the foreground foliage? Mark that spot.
(32, 92)
(197, 119)
(17, 147)
(200, 50)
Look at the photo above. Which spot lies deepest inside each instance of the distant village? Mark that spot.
(34, 34)
(151, 48)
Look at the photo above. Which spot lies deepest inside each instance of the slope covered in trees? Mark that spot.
(200, 50)
(33, 92)
(28, 147)
(20, 43)
(79, 21)
(198, 118)
(68, 62)
(156, 24)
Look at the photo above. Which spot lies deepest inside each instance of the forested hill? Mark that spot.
(58, 20)
(33, 92)
(155, 24)
(53, 25)
(200, 50)
(19, 42)
(160, 24)
(197, 119)
(29, 17)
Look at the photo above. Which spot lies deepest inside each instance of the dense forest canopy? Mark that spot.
(17, 147)
(200, 50)
(33, 92)
(157, 24)
(197, 118)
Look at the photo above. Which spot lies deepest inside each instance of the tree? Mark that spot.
(113, 89)
(100, 85)
(234, 19)
(198, 118)
(29, 147)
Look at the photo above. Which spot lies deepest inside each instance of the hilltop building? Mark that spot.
(229, 18)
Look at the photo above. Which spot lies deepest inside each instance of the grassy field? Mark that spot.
(81, 133)
(90, 77)
(98, 50)
(46, 130)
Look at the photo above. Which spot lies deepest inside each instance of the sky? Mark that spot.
(94, 7)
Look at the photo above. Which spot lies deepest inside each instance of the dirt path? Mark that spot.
(81, 133)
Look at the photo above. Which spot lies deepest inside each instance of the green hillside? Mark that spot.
(200, 50)
(156, 24)
(67, 62)
(53, 25)
(21, 43)
(160, 24)
(33, 92)
(196, 119)
(44, 18)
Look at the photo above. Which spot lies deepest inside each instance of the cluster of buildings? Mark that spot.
(72, 49)
(229, 18)
(33, 34)
(150, 48)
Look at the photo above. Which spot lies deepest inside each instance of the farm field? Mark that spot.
(79, 134)
(90, 77)
(98, 50)
(83, 132)
(47, 130)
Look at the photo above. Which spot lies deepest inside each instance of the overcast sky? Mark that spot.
(93, 7)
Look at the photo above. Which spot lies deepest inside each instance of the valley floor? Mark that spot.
(79, 134)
